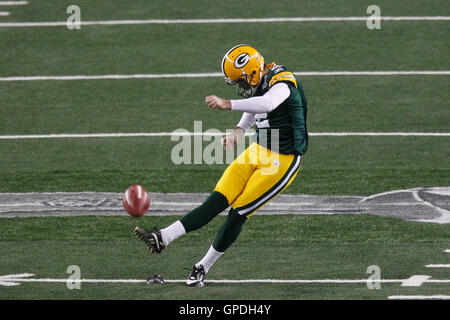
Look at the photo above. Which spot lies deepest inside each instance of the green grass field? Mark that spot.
(293, 247)
(271, 247)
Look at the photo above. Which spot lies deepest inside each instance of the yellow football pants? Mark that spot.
(255, 177)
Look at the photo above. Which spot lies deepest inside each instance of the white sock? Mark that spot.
(172, 232)
(208, 260)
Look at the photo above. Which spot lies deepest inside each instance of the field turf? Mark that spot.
(270, 247)
(284, 247)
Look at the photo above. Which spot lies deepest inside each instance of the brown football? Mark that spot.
(136, 200)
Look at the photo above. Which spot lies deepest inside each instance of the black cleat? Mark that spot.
(152, 238)
(196, 277)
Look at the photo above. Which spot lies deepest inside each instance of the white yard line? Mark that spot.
(219, 134)
(415, 281)
(389, 134)
(231, 20)
(373, 73)
(438, 266)
(447, 250)
(339, 281)
(342, 281)
(432, 297)
(13, 3)
(4, 13)
(219, 74)
(114, 76)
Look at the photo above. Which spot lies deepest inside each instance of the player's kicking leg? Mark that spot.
(271, 177)
(157, 240)
(152, 238)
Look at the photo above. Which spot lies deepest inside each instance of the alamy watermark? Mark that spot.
(73, 281)
(74, 20)
(374, 280)
(374, 20)
(207, 147)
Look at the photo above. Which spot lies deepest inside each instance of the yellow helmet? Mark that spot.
(243, 65)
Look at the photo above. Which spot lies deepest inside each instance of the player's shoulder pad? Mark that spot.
(281, 73)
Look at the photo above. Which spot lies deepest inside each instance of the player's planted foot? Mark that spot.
(152, 238)
(196, 277)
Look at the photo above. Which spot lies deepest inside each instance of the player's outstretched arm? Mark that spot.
(261, 104)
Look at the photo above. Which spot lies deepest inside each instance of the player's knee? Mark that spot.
(235, 217)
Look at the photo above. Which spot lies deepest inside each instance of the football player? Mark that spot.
(275, 102)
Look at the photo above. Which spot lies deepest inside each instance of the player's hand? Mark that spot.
(230, 140)
(214, 102)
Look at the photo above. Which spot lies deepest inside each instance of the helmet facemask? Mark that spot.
(243, 65)
(244, 88)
